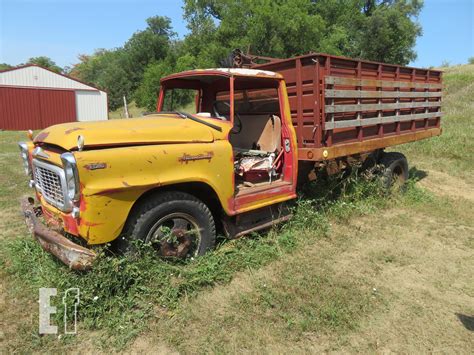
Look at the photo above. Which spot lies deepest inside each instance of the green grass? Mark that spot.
(122, 292)
(278, 285)
(453, 151)
(133, 111)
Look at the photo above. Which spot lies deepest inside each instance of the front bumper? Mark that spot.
(71, 254)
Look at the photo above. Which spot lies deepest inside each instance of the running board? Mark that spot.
(253, 221)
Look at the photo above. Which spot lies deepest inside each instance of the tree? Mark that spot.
(120, 71)
(389, 34)
(147, 46)
(383, 30)
(380, 30)
(5, 66)
(108, 71)
(147, 93)
(45, 62)
(272, 28)
(471, 60)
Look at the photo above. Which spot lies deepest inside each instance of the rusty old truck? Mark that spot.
(222, 154)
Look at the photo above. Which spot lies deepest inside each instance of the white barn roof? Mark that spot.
(35, 76)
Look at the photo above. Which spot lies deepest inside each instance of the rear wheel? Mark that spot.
(176, 224)
(395, 170)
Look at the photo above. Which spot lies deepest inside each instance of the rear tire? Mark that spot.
(394, 170)
(176, 224)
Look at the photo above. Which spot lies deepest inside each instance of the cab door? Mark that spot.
(264, 144)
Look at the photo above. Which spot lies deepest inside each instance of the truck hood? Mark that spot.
(157, 129)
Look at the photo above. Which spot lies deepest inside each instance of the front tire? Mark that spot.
(175, 223)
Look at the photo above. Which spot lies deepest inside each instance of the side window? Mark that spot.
(180, 100)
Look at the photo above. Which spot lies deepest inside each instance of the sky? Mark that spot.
(63, 29)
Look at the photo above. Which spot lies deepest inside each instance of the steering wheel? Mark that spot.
(238, 121)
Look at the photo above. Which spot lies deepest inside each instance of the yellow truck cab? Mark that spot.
(222, 152)
(171, 177)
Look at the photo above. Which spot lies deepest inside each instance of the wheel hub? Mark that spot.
(175, 235)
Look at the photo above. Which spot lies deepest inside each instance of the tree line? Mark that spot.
(379, 30)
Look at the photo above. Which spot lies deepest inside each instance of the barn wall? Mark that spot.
(56, 106)
(91, 105)
(32, 97)
(24, 108)
(19, 109)
(39, 77)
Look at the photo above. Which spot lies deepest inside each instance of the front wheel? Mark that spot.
(176, 224)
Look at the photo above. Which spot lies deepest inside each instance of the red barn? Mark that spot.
(32, 97)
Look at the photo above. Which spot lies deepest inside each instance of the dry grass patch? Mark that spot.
(278, 308)
(397, 280)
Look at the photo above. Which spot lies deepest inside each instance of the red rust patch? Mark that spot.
(70, 225)
(82, 204)
(41, 136)
(69, 131)
(51, 219)
(90, 224)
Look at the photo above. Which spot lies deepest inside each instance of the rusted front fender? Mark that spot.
(71, 254)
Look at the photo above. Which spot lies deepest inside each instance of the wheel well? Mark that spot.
(200, 190)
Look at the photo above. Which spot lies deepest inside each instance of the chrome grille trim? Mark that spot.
(50, 182)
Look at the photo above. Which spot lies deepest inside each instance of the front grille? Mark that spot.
(50, 182)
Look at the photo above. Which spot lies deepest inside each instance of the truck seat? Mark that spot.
(259, 132)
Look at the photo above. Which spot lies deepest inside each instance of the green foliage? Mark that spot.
(389, 34)
(45, 62)
(471, 60)
(452, 150)
(120, 71)
(4, 66)
(147, 93)
(370, 29)
(270, 28)
(108, 71)
(382, 30)
(119, 293)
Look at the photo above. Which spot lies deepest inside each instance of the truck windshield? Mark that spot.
(183, 100)
(194, 95)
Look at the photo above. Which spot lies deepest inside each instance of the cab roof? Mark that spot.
(226, 72)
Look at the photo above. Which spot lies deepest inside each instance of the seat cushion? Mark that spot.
(260, 132)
